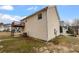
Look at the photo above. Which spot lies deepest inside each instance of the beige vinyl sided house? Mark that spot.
(43, 24)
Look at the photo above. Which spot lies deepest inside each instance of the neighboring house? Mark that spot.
(44, 24)
(64, 27)
(5, 27)
(1, 27)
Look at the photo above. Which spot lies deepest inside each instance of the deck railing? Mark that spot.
(18, 24)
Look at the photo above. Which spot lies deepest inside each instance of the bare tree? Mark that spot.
(75, 25)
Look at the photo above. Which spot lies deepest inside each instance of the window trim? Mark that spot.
(39, 16)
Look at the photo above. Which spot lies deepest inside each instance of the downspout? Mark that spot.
(47, 24)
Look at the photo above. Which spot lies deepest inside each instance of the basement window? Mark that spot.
(39, 16)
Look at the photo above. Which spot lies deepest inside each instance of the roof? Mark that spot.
(41, 11)
(35, 13)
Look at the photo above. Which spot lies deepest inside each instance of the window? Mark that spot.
(39, 16)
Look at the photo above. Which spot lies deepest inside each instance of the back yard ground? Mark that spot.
(60, 44)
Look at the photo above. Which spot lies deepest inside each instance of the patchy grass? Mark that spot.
(21, 44)
(27, 44)
(4, 35)
(60, 40)
(65, 40)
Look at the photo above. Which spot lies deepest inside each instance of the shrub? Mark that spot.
(70, 30)
(24, 34)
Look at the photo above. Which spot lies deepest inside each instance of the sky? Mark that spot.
(68, 12)
(10, 13)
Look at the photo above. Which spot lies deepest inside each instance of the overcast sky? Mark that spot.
(9, 13)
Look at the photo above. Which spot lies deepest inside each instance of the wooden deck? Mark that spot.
(18, 24)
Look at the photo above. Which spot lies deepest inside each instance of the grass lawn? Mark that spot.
(19, 44)
(27, 45)
(4, 35)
